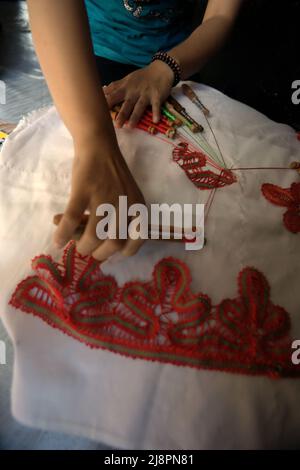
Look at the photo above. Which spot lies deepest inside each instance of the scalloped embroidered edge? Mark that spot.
(217, 349)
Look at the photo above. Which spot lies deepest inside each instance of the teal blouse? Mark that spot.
(131, 32)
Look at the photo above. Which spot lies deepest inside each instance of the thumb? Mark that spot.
(70, 220)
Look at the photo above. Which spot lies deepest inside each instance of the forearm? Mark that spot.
(62, 40)
(208, 38)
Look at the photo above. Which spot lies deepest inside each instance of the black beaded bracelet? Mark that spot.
(172, 63)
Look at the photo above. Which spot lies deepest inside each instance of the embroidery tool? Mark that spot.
(143, 124)
(168, 119)
(159, 231)
(194, 125)
(160, 126)
(175, 114)
(169, 122)
(148, 128)
(186, 134)
(189, 93)
(168, 125)
(163, 122)
(177, 122)
(171, 131)
(146, 124)
(172, 124)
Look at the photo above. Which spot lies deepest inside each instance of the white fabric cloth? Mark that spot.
(60, 384)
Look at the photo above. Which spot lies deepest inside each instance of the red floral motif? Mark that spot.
(254, 326)
(161, 320)
(285, 197)
(193, 163)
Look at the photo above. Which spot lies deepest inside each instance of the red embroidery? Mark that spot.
(285, 197)
(193, 163)
(161, 320)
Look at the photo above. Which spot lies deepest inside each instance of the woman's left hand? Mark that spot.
(148, 86)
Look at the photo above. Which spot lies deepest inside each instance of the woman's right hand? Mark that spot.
(99, 176)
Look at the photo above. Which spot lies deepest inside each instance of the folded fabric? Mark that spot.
(169, 348)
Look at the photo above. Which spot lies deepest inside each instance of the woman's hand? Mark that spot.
(98, 177)
(148, 86)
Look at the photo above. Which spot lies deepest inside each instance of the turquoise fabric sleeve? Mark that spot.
(131, 35)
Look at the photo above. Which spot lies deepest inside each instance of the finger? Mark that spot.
(57, 218)
(138, 112)
(156, 104)
(134, 240)
(115, 97)
(132, 247)
(113, 86)
(70, 221)
(125, 111)
(89, 241)
(107, 249)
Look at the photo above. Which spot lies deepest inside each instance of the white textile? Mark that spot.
(61, 384)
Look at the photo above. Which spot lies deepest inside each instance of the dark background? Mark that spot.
(262, 59)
